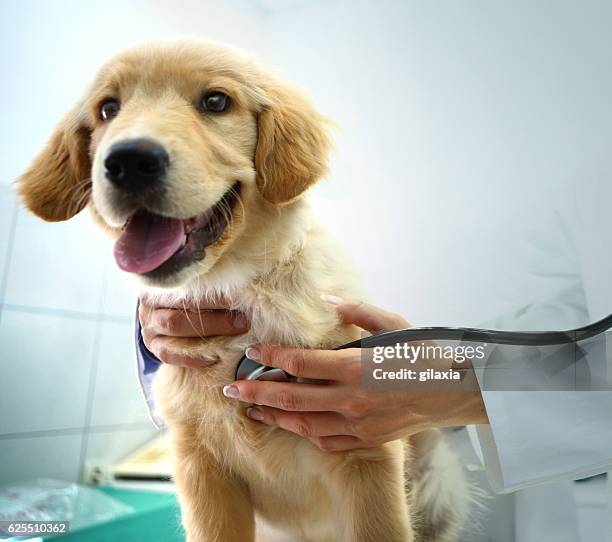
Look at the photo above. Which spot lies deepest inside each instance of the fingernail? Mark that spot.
(253, 353)
(240, 321)
(210, 360)
(255, 414)
(231, 391)
(333, 299)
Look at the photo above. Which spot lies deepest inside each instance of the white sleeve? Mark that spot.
(535, 437)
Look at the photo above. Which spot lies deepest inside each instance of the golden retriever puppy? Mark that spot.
(195, 159)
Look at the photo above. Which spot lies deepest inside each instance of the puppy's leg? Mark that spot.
(369, 496)
(214, 506)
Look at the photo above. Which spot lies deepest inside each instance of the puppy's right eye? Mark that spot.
(216, 102)
(109, 109)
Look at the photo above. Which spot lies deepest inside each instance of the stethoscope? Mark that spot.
(249, 369)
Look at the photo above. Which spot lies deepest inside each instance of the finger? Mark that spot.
(218, 303)
(288, 396)
(340, 443)
(148, 337)
(164, 354)
(366, 316)
(144, 313)
(340, 365)
(307, 424)
(144, 316)
(178, 323)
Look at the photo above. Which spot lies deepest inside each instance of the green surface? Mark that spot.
(155, 518)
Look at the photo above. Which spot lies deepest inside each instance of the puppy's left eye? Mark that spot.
(109, 109)
(216, 102)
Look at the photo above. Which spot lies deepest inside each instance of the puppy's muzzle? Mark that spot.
(136, 165)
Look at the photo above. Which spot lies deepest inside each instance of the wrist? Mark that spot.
(468, 409)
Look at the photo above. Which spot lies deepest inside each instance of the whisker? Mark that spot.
(198, 333)
(200, 312)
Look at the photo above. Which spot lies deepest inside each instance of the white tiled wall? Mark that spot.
(111, 445)
(54, 455)
(117, 397)
(46, 366)
(68, 387)
(46, 258)
(8, 214)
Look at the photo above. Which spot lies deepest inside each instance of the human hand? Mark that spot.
(339, 413)
(160, 323)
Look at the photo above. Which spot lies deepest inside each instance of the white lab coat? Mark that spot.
(542, 440)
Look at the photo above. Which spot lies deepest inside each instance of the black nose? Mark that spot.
(136, 165)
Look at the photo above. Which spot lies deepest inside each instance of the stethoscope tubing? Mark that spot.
(250, 370)
(466, 334)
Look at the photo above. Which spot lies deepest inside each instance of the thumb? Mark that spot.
(366, 316)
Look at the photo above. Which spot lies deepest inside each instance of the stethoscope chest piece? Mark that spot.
(249, 369)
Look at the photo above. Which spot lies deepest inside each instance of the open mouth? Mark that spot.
(156, 246)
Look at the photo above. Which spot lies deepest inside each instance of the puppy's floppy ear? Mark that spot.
(57, 184)
(293, 145)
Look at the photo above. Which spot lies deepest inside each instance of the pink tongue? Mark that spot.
(148, 241)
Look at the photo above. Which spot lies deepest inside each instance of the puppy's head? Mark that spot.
(170, 147)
